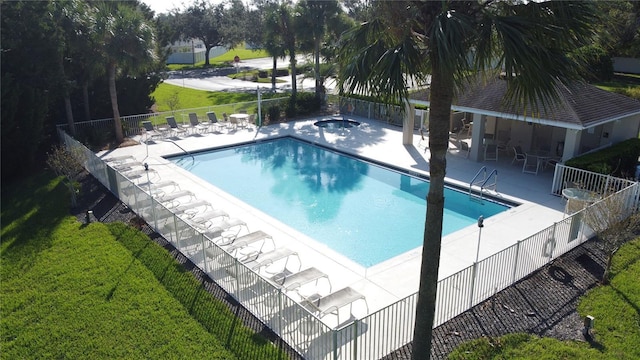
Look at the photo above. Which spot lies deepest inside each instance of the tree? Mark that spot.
(127, 43)
(314, 16)
(615, 223)
(445, 42)
(273, 42)
(28, 83)
(211, 25)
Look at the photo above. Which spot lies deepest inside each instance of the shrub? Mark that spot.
(307, 103)
(618, 160)
(274, 113)
(598, 65)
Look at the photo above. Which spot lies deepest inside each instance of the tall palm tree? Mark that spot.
(272, 39)
(447, 41)
(127, 41)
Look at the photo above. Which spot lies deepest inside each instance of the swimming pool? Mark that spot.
(362, 210)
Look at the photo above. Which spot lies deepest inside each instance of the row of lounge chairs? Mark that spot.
(230, 238)
(195, 126)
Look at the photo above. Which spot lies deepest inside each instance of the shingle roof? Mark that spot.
(581, 104)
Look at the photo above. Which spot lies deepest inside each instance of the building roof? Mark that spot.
(581, 105)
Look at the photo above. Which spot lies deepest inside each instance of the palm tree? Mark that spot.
(315, 16)
(127, 41)
(448, 41)
(272, 39)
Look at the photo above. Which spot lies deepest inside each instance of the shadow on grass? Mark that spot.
(220, 317)
(31, 211)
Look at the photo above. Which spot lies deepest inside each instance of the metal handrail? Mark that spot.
(484, 185)
(483, 170)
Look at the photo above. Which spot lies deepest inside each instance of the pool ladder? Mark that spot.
(484, 182)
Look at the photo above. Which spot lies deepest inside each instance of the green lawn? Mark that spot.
(104, 290)
(616, 309)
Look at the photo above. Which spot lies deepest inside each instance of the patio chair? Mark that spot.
(464, 147)
(213, 121)
(518, 154)
(291, 282)
(424, 142)
(149, 132)
(252, 120)
(530, 165)
(491, 152)
(244, 241)
(223, 230)
(195, 124)
(173, 125)
(268, 259)
(332, 303)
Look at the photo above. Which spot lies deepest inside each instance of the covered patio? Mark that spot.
(585, 119)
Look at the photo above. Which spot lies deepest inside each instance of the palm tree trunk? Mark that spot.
(294, 86)
(438, 144)
(114, 102)
(317, 67)
(273, 74)
(85, 98)
(67, 99)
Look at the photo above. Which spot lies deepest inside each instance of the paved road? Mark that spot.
(217, 80)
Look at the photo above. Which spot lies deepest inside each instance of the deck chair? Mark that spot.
(464, 148)
(332, 303)
(243, 242)
(195, 124)
(252, 120)
(213, 121)
(175, 129)
(268, 259)
(223, 230)
(518, 154)
(149, 132)
(296, 280)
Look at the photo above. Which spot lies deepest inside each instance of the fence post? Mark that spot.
(334, 335)
(355, 325)
(515, 263)
(473, 284)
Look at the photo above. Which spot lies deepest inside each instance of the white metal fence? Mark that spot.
(385, 330)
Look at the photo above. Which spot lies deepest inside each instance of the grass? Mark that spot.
(625, 84)
(615, 307)
(69, 290)
(190, 98)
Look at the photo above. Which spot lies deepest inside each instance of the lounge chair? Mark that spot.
(242, 242)
(297, 280)
(223, 230)
(332, 303)
(119, 159)
(173, 125)
(127, 166)
(213, 121)
(424, 142)
(195, 124)
(149, 132)
(171, 200)
(268, 259)
(208, 216)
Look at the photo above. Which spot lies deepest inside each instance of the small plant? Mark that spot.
(68, 163)
(173, 101)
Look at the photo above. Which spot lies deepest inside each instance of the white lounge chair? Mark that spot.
(195, 125)
(214, 124)
(267, 259)
(332, 303)
(244, 241)
(297, 280)
(149, 132)
(223, 230)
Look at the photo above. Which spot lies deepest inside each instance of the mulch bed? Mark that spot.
(544, 303)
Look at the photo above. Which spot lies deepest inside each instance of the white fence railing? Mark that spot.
(381, 332)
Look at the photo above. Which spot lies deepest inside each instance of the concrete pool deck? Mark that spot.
(392, 280)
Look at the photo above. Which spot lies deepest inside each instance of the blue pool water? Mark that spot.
(364, 211)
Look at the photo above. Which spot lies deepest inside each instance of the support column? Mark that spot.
(407, 124)
(477, 133)
(571, 144)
